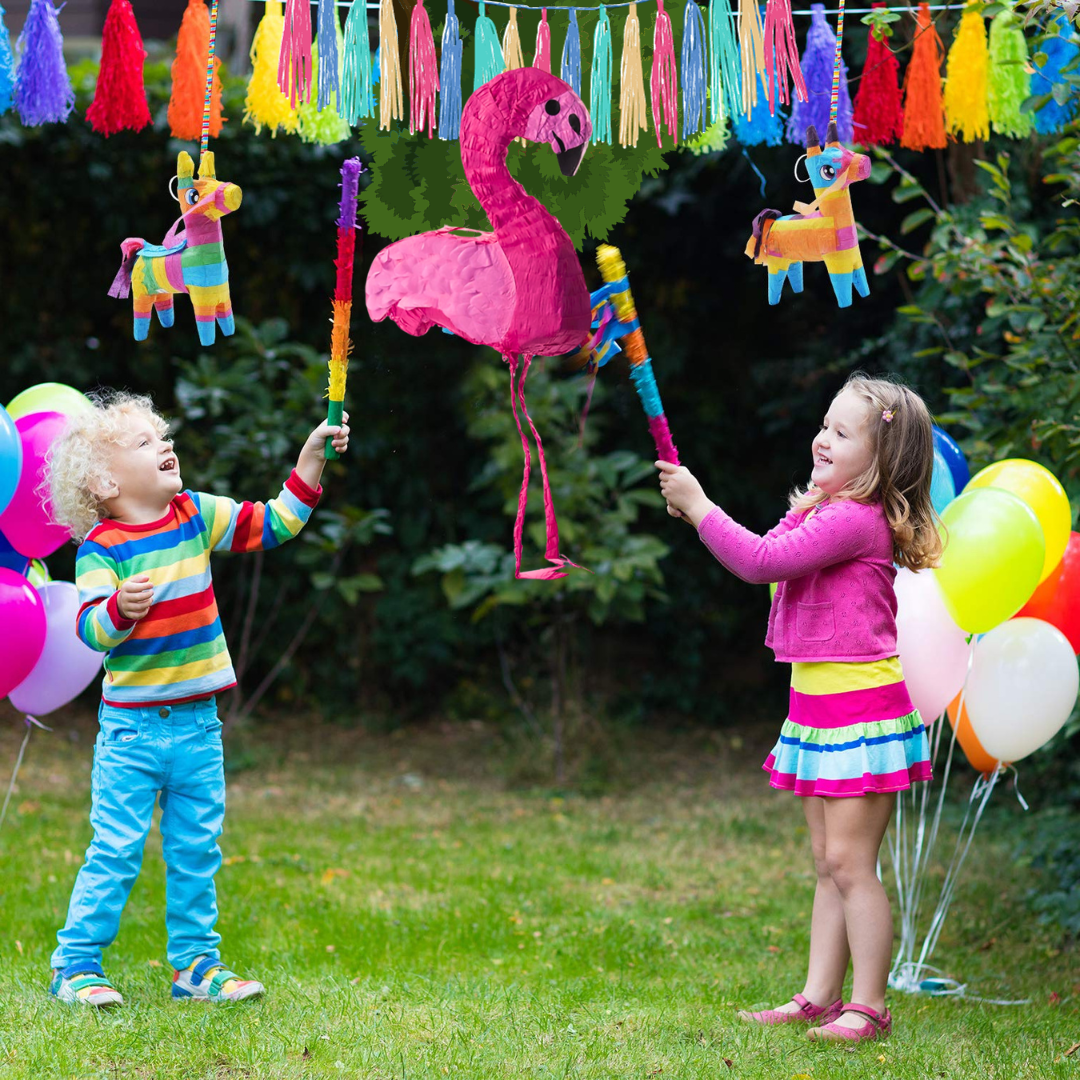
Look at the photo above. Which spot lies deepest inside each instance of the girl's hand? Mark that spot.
(309, 465)
(683, 493)
(135, 597)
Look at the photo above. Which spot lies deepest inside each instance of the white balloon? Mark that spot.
(1022, 687)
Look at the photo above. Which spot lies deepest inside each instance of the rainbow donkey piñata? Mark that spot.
(191, 259)
(825, 231)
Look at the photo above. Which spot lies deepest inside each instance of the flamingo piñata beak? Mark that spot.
(570, 159)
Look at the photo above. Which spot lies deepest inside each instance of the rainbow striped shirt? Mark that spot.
(177, 651)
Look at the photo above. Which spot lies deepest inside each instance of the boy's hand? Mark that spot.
(338, 436)
(683, 493)
(135, 597)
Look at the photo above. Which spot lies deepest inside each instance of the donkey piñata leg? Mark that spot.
(778, 270)
(795, 277)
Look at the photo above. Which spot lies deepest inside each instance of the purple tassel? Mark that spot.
(43, 93)
(817, 68)
(7, 67)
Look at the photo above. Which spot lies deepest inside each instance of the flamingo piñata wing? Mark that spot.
(443, 278)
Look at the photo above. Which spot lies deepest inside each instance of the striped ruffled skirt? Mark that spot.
(851, 730)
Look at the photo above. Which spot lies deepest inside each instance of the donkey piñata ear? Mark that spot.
(185, 169)
(831, 136)
(206, 166)
(813, 147)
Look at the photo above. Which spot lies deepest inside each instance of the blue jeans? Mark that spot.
(173, 752)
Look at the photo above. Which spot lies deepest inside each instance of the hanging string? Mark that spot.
(571, 54)
(542, 52)
(633, 110)
(391, 97)
(211, 67)
(819, 74)
(328, 84)
(751, 52)
(781, 53)
(31, 723)
(294, 63)
(725, 87)
(488, 56)
(693, 71)
(600, 80)
(834, 99)
(356, 91)
(450, 77)
(664, 78)
(513, 57)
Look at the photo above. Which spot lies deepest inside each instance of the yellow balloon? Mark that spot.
(772, 590)
(48, 397)
(994, 552)
(1040, 489)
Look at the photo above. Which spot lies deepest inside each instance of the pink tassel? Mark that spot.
(664, 80)
(542, 58)
(294, 61)
(423, 72)
(781, 54)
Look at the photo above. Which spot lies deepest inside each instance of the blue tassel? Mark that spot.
(43, 93)
(488, 56)
(7, 67)
(328, 62)
(693, 71)
(760, 128)
(357, 97)
(1060, 52)
(600, 80)
(818, 59)
(725, 66)
(450, 77)
(571, 54)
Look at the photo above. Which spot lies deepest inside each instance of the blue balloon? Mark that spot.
(954, 459)
(10, 559)
(11, 455)
(942, 488)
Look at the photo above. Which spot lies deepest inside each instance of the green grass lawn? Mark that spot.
(414, 916)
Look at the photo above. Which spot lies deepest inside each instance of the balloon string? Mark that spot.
(31, 723)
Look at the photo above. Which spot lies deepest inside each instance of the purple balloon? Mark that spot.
(66, 666)
(22, 629)
(27, 522)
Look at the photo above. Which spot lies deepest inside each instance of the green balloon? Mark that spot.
(994, 554)
(38, 574)
(772, 590)
(48, 397)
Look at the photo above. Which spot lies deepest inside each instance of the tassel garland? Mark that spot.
(189, 76)
(391, 98)
(693, 71)
(725, 95)
(43, 93)
(571, 55)
(487, 58)
(817, 68)
(542, 53)
(751, 52)
(966, 114)
(423, 72)
(781, 53)
(294, 63)
(759, 127)
(633, 110)
(712, 140)
(324, 126)
(1060, 52)
(513, 57)
(357, 95)
(1010, 83)
(265, 105)
(120, 97)
(600, 80)
(664, 78)
(924, 112)
(878, 117)
(328, 84)
(450, 77)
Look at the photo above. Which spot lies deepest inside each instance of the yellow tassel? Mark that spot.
(511, 44)
(340, 347)
(967, 112)
(751, 52)
(633, 109)
(391, 98)
(265, 104)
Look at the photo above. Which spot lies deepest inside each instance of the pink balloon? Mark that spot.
(22, 629)
(66, 666)
(27, 522)
(933, 649)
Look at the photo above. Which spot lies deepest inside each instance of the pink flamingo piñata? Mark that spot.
(520, 288)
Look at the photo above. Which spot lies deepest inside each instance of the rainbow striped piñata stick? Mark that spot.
(340, 345)
(618, 319)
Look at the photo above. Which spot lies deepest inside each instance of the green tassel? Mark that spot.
(1010, 83)
(725, 66)
(357, 99)
(713, 139)
(600, 80)
(488, 57)
(324, 126)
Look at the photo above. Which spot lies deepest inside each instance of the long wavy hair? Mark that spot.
(79, 460)
(900, 432)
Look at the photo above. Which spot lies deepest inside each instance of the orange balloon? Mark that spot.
(977, 757)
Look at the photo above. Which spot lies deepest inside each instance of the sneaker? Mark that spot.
(84, 984)
(208, 979)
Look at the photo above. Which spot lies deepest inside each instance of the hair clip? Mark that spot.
(887, 415)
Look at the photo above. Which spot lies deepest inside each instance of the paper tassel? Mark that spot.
(664, 79)
(7, 67)
(878, 117)
(120, 98)
(817, 69)
(571, 54)
(751, 52)
(357, 99)
(295, 62)
(760, 127)
(43, 93)
(693, 71)
(542, 53)
(450, 77)
(513, 58)
(781, 53)
(713, 139)
(265, 105)
(189, 76)
(1010, 83)
(725, 85)
(487, 58)
(924, 111)
(324, 126)
(391, 98)
(1060, 53)
(633, 110)
(966, 114)
(423, 72)
(328, 84)
(600, 80)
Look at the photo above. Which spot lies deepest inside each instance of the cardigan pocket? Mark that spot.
(815, 622)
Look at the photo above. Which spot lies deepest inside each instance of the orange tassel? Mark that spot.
(924, 111)
(189, 77)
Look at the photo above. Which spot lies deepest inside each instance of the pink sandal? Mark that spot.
(877, 1026)
(806, 1013)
